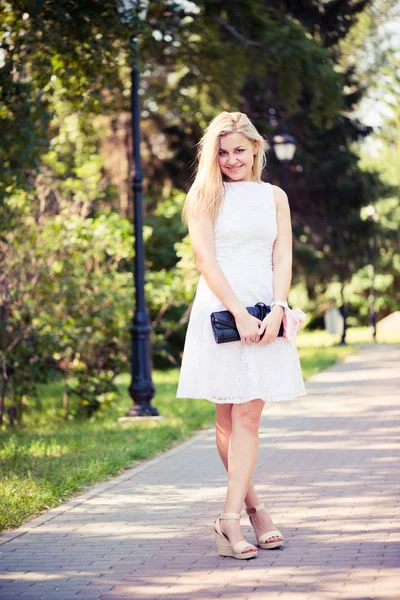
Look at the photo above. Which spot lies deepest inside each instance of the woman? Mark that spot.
(240, 232)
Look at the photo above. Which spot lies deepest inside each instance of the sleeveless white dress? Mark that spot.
(236, 372)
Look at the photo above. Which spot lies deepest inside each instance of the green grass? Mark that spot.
(51, 459)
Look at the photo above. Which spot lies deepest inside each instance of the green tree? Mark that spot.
(65, 306)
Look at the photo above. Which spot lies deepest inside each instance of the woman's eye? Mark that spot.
(222, 152)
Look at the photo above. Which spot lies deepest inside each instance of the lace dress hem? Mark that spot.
(239, 400)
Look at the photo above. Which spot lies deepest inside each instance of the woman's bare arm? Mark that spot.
(282, 252)
(282, 266)
(201, 235)
(202, 239)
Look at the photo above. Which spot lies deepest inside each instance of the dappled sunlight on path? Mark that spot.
(327, 471)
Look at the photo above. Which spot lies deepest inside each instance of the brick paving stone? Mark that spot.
(327, 471)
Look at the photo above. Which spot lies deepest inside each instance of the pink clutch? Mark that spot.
(292, 319)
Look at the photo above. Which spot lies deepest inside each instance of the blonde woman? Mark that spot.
(240, 232)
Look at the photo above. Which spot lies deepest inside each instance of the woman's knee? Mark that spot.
(247, 415)
(223, 419)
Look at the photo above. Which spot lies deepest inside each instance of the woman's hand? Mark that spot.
(271, 325)
(248, 327)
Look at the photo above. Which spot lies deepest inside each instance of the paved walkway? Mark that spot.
(328, 470)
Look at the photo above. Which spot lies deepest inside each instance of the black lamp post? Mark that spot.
(141, 389)
(285, 147)
(372, 217)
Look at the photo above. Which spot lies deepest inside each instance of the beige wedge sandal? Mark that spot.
(265, 536)
(223, 544)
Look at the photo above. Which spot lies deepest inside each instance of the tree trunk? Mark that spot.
(3, 398)
(66, 394)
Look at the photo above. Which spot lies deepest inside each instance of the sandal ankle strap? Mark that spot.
(224, 515)
(251, 511)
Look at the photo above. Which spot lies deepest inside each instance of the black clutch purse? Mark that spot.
(224, 325)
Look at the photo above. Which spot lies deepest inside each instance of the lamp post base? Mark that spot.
(142, 410)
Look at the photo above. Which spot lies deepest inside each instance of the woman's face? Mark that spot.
(236, 157)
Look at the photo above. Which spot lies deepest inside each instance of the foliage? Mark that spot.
(66, 305)
(171, 279)
(66, 289)
(188, 61)
(49, 53)
(373, 52)
(384, 227)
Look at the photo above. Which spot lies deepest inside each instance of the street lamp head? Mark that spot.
(369, 213)
(369, 210)
(132, 10)
(285, 146)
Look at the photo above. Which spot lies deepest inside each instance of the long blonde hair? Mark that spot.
(206, 193)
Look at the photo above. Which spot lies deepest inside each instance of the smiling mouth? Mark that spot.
(234, 168)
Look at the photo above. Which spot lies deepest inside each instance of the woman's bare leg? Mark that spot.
(242, 458)
(261, 520)
(223, 432)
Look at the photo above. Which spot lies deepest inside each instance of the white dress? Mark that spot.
(236, 372)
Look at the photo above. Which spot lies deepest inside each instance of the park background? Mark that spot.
(326, 71)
